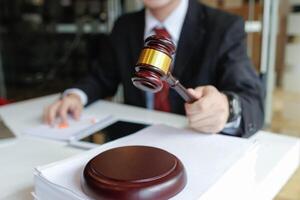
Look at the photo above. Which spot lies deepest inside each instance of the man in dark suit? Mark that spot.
(211, 57)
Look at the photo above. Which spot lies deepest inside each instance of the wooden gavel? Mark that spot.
(153, 67)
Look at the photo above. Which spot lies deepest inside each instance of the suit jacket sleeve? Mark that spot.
(104, 79)
(236, 74)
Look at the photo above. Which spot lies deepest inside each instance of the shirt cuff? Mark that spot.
(232, 127)
(82, 95)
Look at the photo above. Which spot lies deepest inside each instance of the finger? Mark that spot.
(76, 112)
(52, 112)
(200, 117)
(201, 105)
(197, 93)
(63, 111)
(212, 124)
(208, 121)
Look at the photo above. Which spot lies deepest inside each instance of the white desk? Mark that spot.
(278, 156)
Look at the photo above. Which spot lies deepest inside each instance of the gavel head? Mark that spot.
(154, 63)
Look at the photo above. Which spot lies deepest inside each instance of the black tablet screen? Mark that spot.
(114, 131)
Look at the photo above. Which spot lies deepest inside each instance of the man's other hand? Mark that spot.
(210, 112)
(69, 104)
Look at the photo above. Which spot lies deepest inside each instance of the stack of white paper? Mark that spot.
(217, 166)
(71, 129)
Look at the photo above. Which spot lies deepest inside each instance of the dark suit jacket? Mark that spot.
(211, 51)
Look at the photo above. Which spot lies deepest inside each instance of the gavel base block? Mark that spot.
(134, 172)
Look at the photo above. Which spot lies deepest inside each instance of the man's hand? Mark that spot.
(210, 112)
(71, 103)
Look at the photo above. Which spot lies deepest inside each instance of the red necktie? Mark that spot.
(161, 98)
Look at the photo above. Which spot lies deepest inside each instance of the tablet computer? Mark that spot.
(113, 131)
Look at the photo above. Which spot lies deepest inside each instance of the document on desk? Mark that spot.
(217, 166)
(65, 131)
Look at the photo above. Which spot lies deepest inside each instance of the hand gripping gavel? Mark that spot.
(153, 67)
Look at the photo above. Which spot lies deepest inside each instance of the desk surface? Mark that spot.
(278, 156)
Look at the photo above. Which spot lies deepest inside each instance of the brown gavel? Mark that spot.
(153, 67)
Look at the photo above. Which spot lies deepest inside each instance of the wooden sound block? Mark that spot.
(134, 172)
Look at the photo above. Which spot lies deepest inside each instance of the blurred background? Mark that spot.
(47, 45)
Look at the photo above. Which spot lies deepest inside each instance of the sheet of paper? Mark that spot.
(206, 159)
(65, 131)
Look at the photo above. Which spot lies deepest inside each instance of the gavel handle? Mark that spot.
(180, 89)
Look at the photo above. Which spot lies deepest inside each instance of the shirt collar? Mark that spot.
(173, 23)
